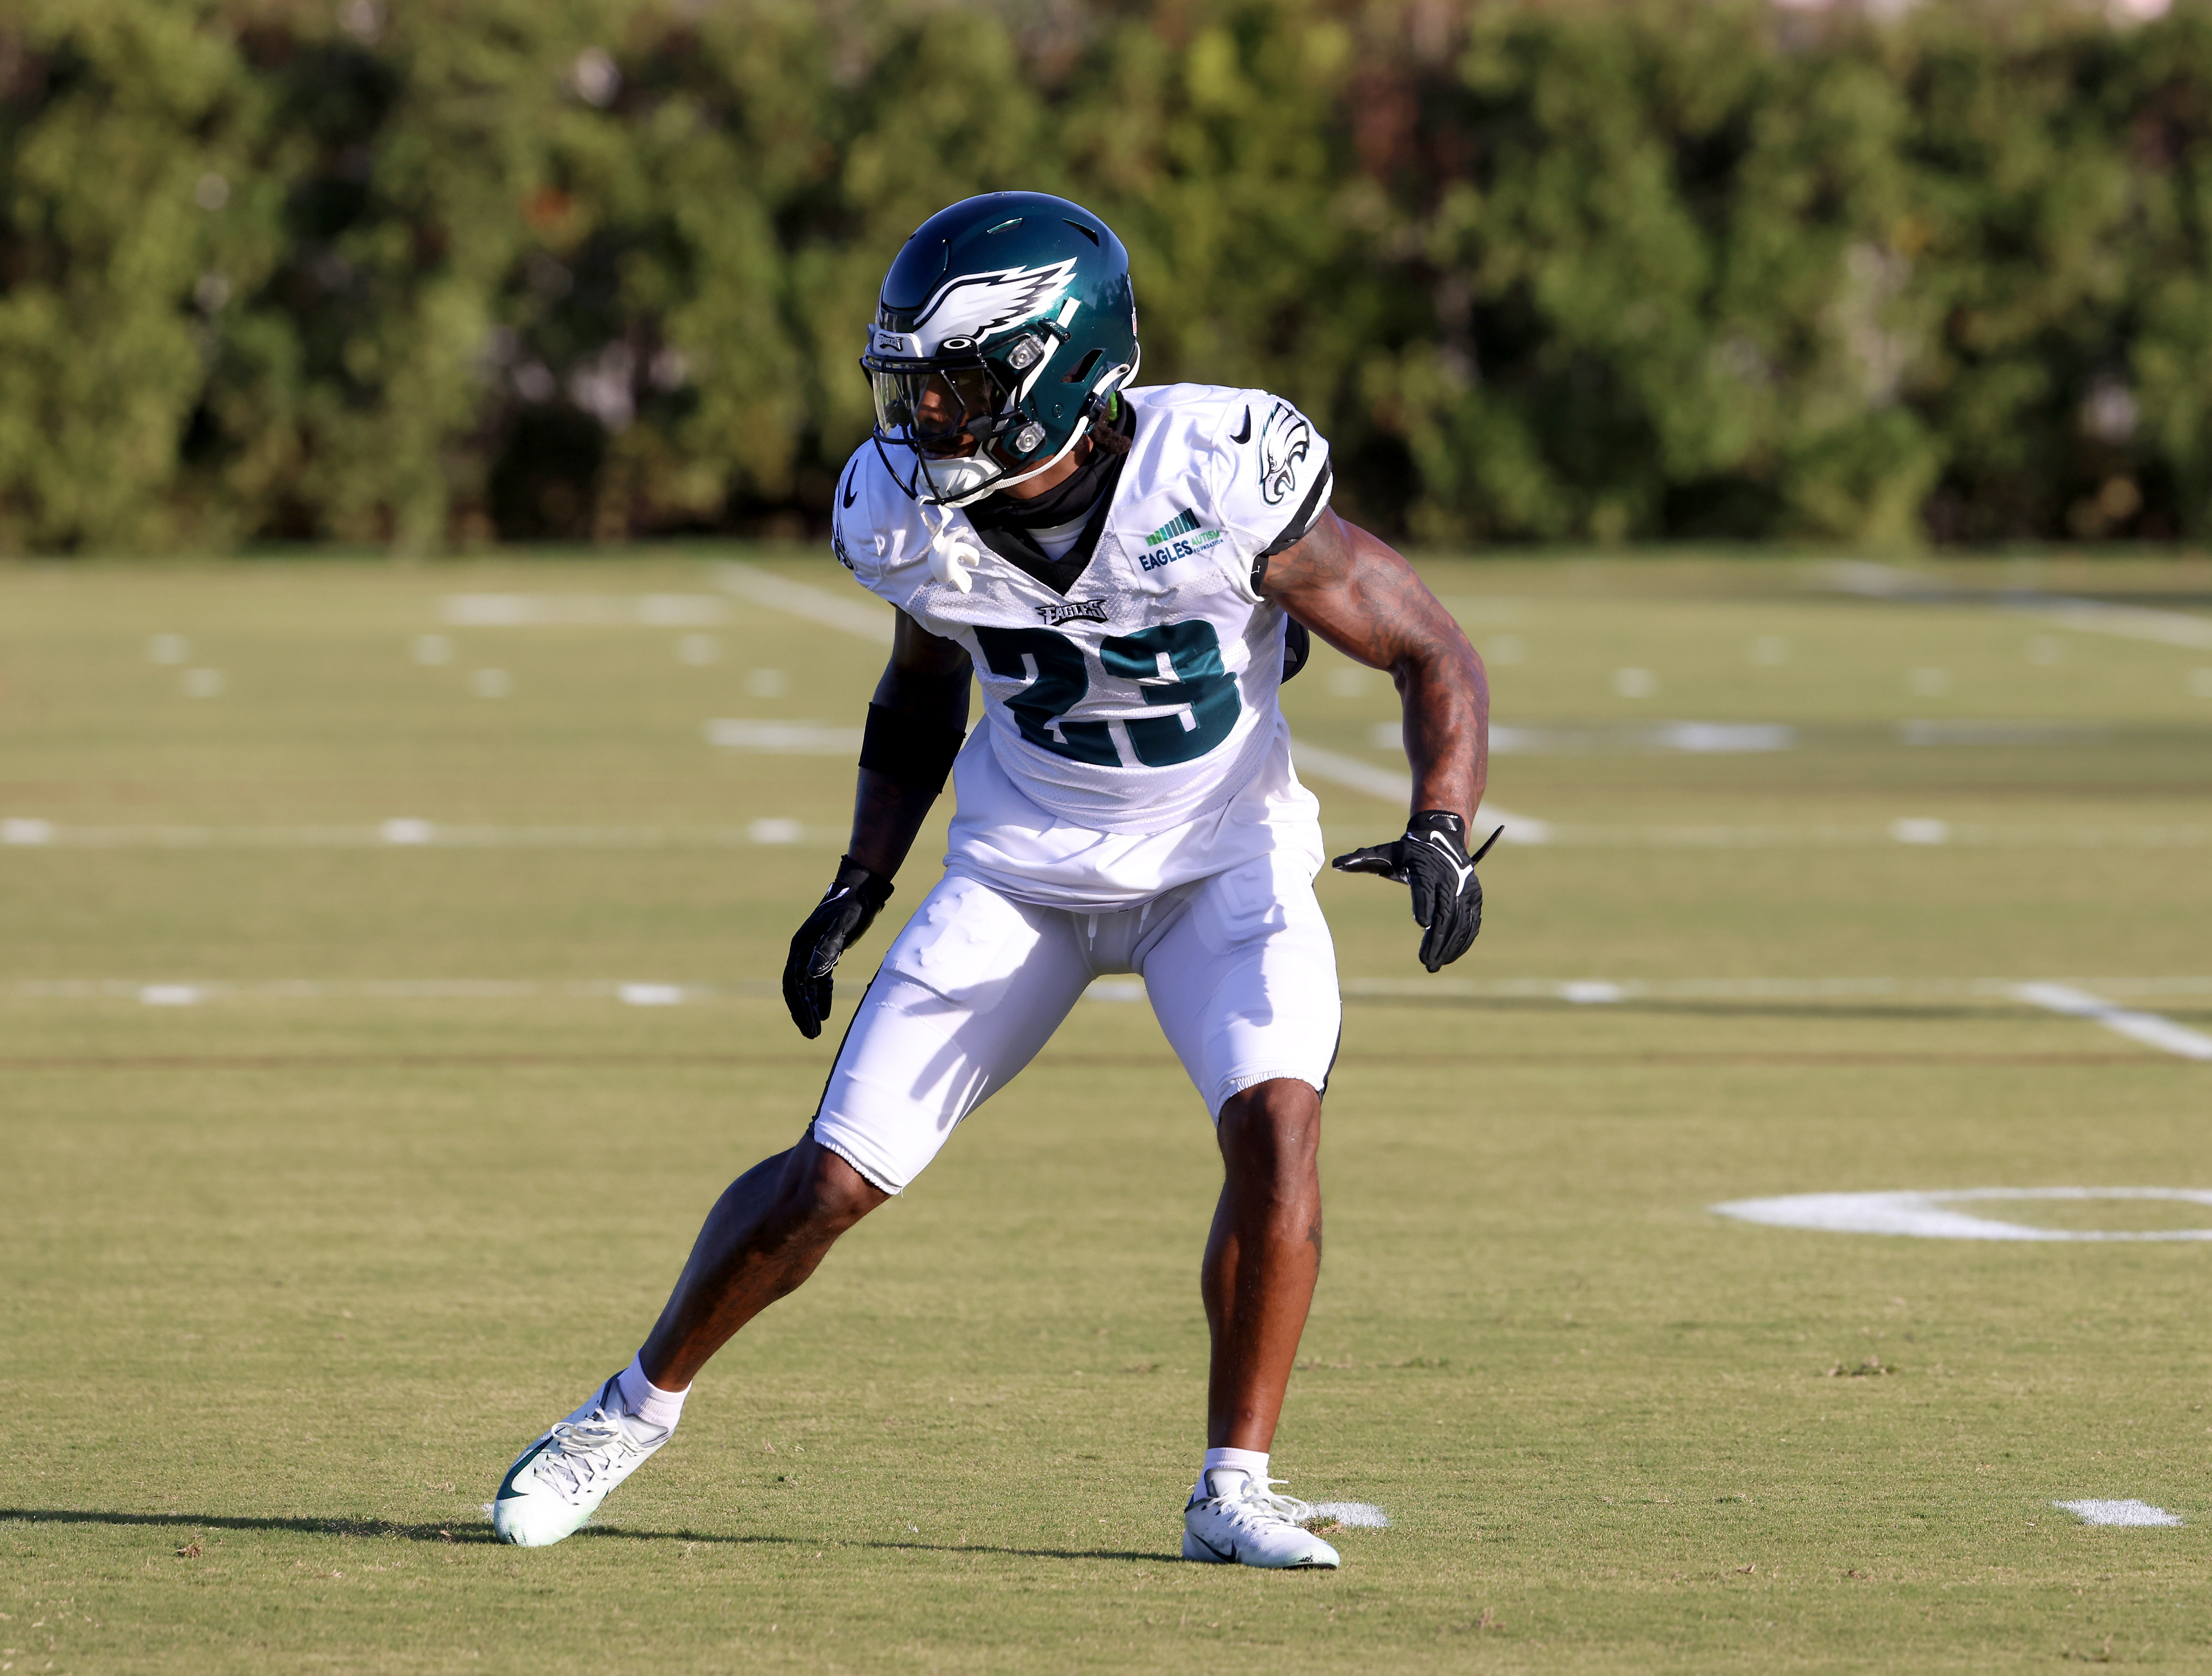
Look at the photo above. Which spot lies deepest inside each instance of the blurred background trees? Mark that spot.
(434, 273)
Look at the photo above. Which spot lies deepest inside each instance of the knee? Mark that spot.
(824, 1194)
(1271, 1129)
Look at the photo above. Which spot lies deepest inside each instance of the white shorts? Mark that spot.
(1239, 968)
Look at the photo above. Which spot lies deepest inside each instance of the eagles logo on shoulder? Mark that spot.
(1284, 441)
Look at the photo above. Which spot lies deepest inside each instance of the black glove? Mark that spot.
(846, 910)
(1432, 858)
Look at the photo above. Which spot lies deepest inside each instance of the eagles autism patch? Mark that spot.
(1177, 539)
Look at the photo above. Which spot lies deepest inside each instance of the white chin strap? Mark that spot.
(956, 482)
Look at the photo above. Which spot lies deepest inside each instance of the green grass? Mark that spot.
(293, 1271)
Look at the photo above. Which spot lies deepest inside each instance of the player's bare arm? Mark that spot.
(1362, 599)
(1357, 593)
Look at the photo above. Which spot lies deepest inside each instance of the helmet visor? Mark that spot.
(943, 412)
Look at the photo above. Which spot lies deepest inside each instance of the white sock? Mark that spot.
(1251, 1463)
(647, 1401)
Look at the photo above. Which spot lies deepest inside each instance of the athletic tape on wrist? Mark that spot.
(910, 751)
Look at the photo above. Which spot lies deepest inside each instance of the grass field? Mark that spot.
(386, 987)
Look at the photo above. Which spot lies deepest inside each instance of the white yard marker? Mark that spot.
(775, 829)
(406, 831)
(1363, 1514)
(23, 830)
(1114, 989)
(1930, 1216)
(589, 610)
(2096, 616)
(2119, 1513)
(651, 995)
(1702, 739)
(1592, 993)
(1396, 785)
(869, 618)
(804, 738)
(1920, 830)
(2148, 1028)
(170, 995)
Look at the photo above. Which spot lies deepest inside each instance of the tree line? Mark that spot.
(429, 274)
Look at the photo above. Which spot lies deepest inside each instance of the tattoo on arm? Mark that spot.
(1353, 591)
(927, 677)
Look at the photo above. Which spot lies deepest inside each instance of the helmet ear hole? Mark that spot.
(1083, 367)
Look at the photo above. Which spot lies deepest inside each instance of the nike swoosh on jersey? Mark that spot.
(1244, 436)
(851, 478)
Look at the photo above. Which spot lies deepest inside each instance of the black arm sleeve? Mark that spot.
(910, 751)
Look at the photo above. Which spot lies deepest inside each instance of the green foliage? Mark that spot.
(425, 273)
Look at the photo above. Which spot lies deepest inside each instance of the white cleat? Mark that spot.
(559, 1481)
(1250, 1525)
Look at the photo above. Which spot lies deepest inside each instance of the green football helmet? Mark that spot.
(1003, 331)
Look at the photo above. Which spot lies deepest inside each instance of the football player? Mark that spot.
(1129, 574)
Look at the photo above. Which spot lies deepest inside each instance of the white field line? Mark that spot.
(1930, 1215)
(810, 739)
(1396, 785)
(28, 832)
(1596, 991)
(408, 832)
(594, 611)
(2130, 1512)
(1577, 991)
(864, 615)
(194, 992)
(2148, 1028)
(2096, 616)
(1364, 1515)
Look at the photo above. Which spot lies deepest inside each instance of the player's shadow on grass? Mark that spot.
(457, 1531)
(471, 1533)
(1021, 1553)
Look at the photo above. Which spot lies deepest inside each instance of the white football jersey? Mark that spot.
(1131, 739)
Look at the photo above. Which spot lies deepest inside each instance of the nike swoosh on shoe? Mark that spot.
(508, 1492)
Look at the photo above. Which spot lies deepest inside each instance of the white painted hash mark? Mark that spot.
(1929, 1216)
(651, 995)
(808, 738)
(1592, 993)
(170, 995)
(406, 830)
(1920, 831)
(2148, 1028)
(25, 831)
(2119, 1513)
(1365, 1514)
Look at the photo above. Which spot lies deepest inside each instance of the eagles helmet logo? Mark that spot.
(1284, 441)
(974, 306)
